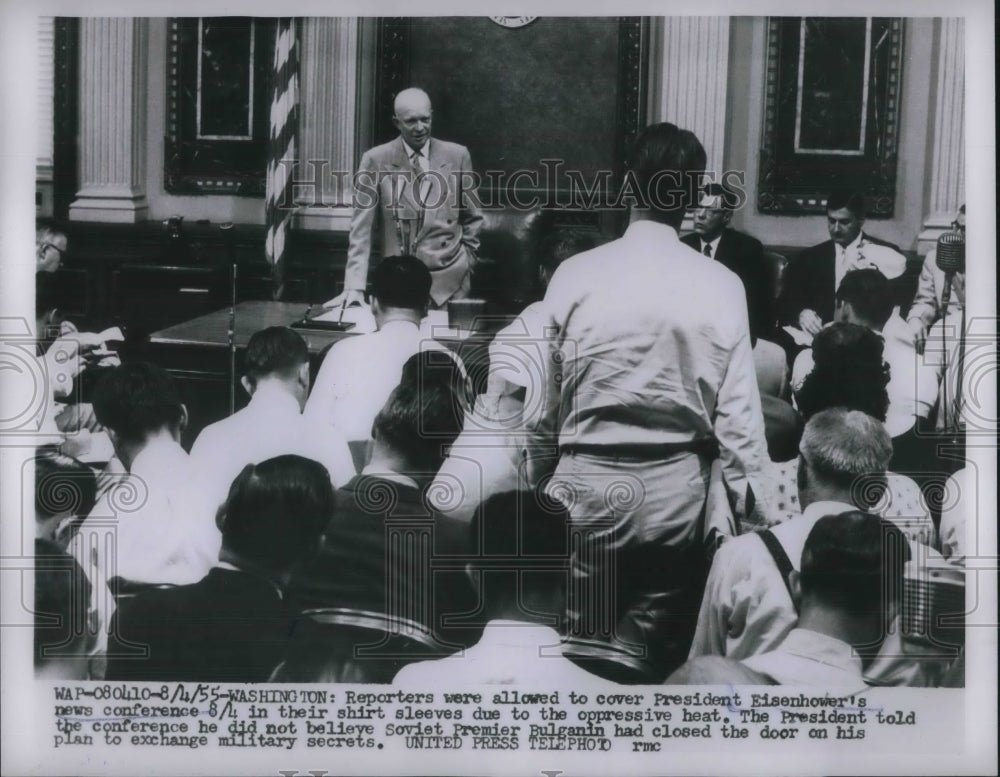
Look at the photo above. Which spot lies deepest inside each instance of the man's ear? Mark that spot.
(376, 308)
(795, 586)
(247, 385)
(727, 217)
(303, 376)
(182, 422)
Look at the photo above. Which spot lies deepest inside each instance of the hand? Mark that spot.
(919, 334)
(958, 286)
(352, 297)
(810, 322)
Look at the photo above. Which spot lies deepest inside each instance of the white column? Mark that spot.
(947, 166)
(327, 110)
(112, 155)
(689, 64)
(45, 95)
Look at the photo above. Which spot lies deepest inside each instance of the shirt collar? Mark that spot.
(509, 633)
(822, 648)
(394, 477)
(646, 229)
(425, 150)
(399, 325)
(274, 399)
(159, 455)
(713, 243)
(819, 509)
(854, 245)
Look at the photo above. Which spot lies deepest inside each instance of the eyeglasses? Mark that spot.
(47, 246)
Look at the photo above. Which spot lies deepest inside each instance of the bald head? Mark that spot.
(412, 109)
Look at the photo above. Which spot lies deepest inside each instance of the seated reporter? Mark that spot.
(232, 625)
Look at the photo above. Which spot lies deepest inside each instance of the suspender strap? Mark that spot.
(781, 560)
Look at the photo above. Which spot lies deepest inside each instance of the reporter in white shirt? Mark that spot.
(360, 372)
(276, 376)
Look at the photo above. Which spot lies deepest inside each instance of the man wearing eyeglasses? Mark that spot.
(418, 194)
(50, 245)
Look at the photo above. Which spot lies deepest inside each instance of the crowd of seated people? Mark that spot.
(385, 523)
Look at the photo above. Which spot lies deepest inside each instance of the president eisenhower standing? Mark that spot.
(417, 193)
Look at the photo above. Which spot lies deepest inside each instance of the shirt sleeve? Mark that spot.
(739, 421)
(925, 302)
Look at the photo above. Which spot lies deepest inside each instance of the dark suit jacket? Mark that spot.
(744, 255)
(377, 556)
(228, 627)
(810, 282)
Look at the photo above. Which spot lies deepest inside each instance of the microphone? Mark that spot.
(950, 259)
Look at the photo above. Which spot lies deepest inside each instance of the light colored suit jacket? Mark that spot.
(443, 233)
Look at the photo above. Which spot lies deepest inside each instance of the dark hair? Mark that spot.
(136, 399)
(851, 200)
(425, 412)
(663, 165)
(497, 277)
(62, 598)
(63, 485)
(868, 293)
(848, 372)
(276, 510)
(528, 533)
(854, 562)
(276, 350)
(401, 282)
(561, 245)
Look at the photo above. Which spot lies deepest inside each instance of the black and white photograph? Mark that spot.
(538, 395)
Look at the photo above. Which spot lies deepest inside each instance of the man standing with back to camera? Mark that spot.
(417, 193)
(651, 378)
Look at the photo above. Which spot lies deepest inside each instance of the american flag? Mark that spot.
(281, 148)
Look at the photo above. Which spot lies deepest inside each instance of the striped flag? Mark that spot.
(281, 148)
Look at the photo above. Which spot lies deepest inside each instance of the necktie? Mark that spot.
(425, 181)
(707, 250)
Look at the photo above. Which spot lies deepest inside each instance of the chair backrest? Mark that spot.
(777, 264)
(341, 644)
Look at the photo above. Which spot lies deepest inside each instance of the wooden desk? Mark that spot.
(212, 330)
(196, 353)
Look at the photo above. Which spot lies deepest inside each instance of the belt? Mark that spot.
(705, 446)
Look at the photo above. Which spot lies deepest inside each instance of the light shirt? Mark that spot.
(271, 425)
(423, 155)
(808, 658)
(912, 387)
(163, 531)
(654, 345)
(714, 245)
(359, 373)
(747, 610)
(509, 653)
(926, 307)
(862, 254)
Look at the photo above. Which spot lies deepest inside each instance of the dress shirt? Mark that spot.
(271, 425)
(359, 373)
(655, 346)
(509, 653)
(808, 658)
(419, 158)
(485, 459)
(746, 608)
(863, 254)
(912, 386)
(714, 246)
(926, 307)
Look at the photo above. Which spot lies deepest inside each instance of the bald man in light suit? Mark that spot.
(421, 192)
